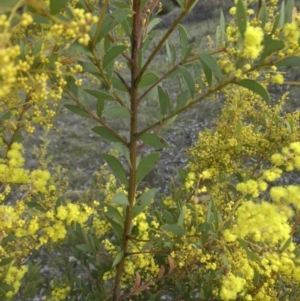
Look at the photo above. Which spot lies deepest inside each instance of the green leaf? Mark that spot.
(37, 206)
(145, 166)
(117, 112)
(117, 84)
(9, 238)
(17, 137)
(270, 46)
(123, 150)
(281, 20)
(105, 133)
(7, 3)
(6, 115)
(211, 64)
(81, 48)
(289, 62)
(188, 52)
(181, 3)
(143, 201)
(164, 101)
(209, 214)
(263, 15)
(289, 11)
(275, 24)
(74, 89)
(174, 229)
(222, 28)
(168, 50)
(57, 5)
(173, 53)
(255, 87)
(6, 261)
(113, 214)
(113, 53)
(99, 94)
(149, 39)
(290, 125)
(77, 110)
(152, 24)
(92, 69)
(111, 20)
(168, 217)
(154, 140)
(100, 107)
(120, 198)
(116, 167)
(250, 254)
(118, 258)
(241, 16)
(182, 100)
(4, 287)
(207, 72)
(286, 244)
(183, 38)
(117, 228)
(181, 217)
(189, 81)
(148, 79)
(37, 46)
(85, 248)
(41, 20)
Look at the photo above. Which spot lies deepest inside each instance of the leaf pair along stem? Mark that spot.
(136, 76)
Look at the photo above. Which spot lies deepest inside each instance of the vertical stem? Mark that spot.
(132, 146)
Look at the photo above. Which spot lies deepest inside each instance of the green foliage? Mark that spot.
(224, 232)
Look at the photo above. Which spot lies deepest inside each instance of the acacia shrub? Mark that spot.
(225, 233)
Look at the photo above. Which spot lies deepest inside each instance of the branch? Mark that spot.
(96, 118)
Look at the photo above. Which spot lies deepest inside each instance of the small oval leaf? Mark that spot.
(145, 166)
(241, 16)
(289, 62)
(113, 53)
(143, 201)
(118, 258)
(120, 198)
(117, 112)
(148, 79)
(116, 167)
(99, 94)
(57, 5)
(255, 87)
(174, 229)
(106, 134)
(189, 81)
(77, 110)
(154, 140)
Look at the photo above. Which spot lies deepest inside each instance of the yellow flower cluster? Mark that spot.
(60, 293)
(252, 187)
(231, 286)
(252, 42)
(8, 54)
(286, 195)
(263, 222)
(13, 277)
(77, 29)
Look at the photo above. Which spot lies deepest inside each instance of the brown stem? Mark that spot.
(132, 146)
